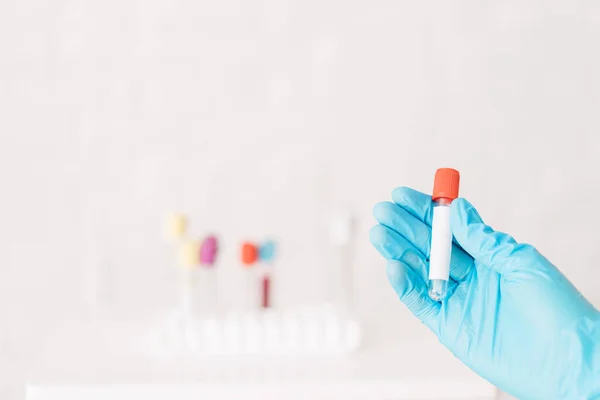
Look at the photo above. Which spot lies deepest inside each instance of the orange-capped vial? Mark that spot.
(249, 254)
(445, 184)
(445, 190)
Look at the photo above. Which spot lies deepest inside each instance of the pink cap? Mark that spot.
(208, 251)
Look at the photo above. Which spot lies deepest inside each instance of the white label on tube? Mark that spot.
(441, 244)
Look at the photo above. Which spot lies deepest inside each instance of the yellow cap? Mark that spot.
(175, 226)
(188, 254)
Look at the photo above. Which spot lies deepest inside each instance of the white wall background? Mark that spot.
(257, 117)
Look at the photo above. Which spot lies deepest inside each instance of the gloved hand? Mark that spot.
(511, 316)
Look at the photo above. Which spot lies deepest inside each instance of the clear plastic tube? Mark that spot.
(445, 189)
(441, 249)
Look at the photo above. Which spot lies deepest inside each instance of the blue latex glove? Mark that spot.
(511, 316)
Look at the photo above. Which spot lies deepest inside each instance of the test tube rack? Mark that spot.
(309, 331)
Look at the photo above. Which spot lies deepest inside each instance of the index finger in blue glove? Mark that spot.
(417, 203)
(405, 224)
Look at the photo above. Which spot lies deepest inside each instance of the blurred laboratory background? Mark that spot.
(137, 134)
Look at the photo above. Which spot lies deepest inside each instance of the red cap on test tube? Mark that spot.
(445, 184)
(249, 254)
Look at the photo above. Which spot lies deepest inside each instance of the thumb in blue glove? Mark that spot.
(511, 316)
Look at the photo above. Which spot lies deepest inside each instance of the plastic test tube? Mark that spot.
(208, 288)
(445, 190)
(266, 254)
(250, 254)
(188, 260)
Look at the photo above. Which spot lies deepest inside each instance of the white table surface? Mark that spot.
(324, 391)
(90, 360)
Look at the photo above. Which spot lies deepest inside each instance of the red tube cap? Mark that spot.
(249, 254)
(445, 184)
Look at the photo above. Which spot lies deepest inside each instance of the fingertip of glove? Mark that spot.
(405, 195)
(377, 234)
(393, 265)
(464, 210)
(401, 192)
(396, 274)
(382, 210)
(460, 203)
(394, 270)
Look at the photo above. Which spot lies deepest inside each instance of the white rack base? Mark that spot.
(322, 330)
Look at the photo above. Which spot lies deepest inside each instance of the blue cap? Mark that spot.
(266, 252)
